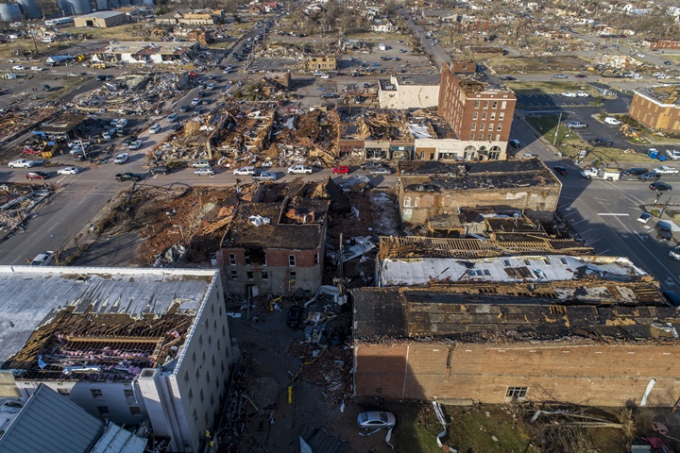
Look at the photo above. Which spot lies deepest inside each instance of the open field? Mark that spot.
(514, 65)
(550, 87)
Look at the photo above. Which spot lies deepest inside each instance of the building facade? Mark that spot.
(661, 44)
(321, 63)
(657, 108)
(101, 19)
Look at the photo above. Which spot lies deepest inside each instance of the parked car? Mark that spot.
(296, 314)
(120, 177)
(18, 68)
(376, 420)
(121, 158)
(162, 170)
(515, 143)
(21, 163)
(575, 125)
(649, 176)
(134, 145)
(201, 164)
(173, 117)
(329, 96)
(43, 259)
(635, 171)
(644, 217)
(264, 176)
(69, 171)
(660, 186)
(601, 142)
(611, 120)
(300, 169)
(673, 154)
(560, 170)
(37, 175)
(156, 128)
(195, 101)
(675, 253)
(581, 76)
(211, 86)
(560, 76)
(568, 94)
(582, 94)
(177, 127)
(205, 172)
(341, 170)
(666, 170)
(381, 171)
(244, 171)
(663, 231)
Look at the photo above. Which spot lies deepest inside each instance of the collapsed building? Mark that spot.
(123, 344)
(147, 52)
(657, 107)
(428, 189)
(461, 324)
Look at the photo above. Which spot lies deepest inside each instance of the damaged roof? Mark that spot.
(512, 312)
(433, 176)
(33, 296)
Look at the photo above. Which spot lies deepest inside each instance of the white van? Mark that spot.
(611, 120)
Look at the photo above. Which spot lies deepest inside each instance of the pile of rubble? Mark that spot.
(16, 203)
(280, 51)
(19, 116)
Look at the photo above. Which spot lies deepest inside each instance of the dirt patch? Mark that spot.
(514, 65)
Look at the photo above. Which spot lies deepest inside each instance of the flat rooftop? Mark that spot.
(103, 14)
(662, 94)
(39, 297)
(481, 313)
(418, 79)
(433, 176)
(149, 48)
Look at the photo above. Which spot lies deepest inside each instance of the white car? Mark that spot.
(21, 163)
(156, 128)
(43, 259)
(36, 68)
(567, 94)
(69, 171)
(641, 55)
(195, 101)
(582, 94)
(675, 253)
(244, 171)
(300, 169)
(18, 68)
(135, 145)
(204, 172)
(325, 76)
(211, 86)
(673, 154)
(644, 217)
(666, 170)
(611, 120)
(121, 158)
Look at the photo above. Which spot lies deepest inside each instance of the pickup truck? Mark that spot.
(300, 169)
(610, 174)
(21, 163)
(264, 176)
(576, 125)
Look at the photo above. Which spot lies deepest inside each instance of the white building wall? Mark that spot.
(462, 149)
(409, 96)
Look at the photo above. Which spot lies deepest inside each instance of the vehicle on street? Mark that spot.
(575, 125)
(666, 170)
(644, 217)
(515, 143)
(341, 170)
(296, 315)
(567, 94)
(244, 171)
(162, 170)
(560, 76)
(156, 128)
(560, 170)
(211, 86)
(300, 169)
(673, 154)
(381, 171)
(581, 76)
(21, 163)
(134, 145)
(37, 175)
(611, 120)
(635, 171)
(18, 68)
(376, 420)
(660, 186)
(69, 171)
(668, 62)
(173, 117)
(675, 253)
(195, 101)
(204, 172)
(582, 94)
(176, 127)
(201, 164)
(121, 158)
(46, 87)
(184, 108)
(36, 68)
(325, 76)
(610, 174)
(371, 165)
(663, 231)
(649, 176)
(264, 176)
(329, 96)
(43, 259)
(601, 142)
(120, 177)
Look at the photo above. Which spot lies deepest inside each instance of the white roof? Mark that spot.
(32, 295)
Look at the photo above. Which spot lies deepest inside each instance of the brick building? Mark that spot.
(321, 63)
(584, 329)
(657, 107)
(662, 44)
(478, 108)
(427, 189)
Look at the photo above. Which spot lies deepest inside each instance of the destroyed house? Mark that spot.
(127, 345)
(427, 189)
(657, 107)
(275, 247)
(148, 52)
(65, 127)
(591, 340)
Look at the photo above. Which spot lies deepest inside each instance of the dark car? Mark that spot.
(184, 108)
(650, 176)
(296, 315)
(129, 140)
(120, 177)
(560, 170)
(635, 171)
(176, 127)
(328, 96)
(37, 175)
(660, 186)
(46, 87)
(601, 142)
(663, 231)
(508, 78)
(371, 165)
(159, 170)
(581, 76)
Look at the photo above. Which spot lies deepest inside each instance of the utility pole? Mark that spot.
(557, 128)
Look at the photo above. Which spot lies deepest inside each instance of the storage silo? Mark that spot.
(10, 12)
(30, 9)
(75, 7)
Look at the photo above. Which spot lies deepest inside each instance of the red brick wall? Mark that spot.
(664, 44)
(274, 257)
(592, 374)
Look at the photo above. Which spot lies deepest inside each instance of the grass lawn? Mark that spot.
(515, 65)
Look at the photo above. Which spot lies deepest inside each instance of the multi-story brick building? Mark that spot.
(657, 107)
(478, 109)
(321, 63)
(462, 328)
(663, 44)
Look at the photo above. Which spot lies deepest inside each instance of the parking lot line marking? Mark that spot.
(615, 214)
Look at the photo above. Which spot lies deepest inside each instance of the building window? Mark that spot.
(517, 392)
(186, 377)
(191, 394)
(503, 105)
(483, 115)
(198, 373)
(474, 115)
(490, 126)
(200, 340)
(103, 410)
(473, 127)
(488, 137)
(248, 262)
(291, 260)
(481, 127)
(472, 136)
(316, 258)
(494, 105)
(293, 277)
(195, 416)
(209, 339)
(498, 137)
(480, 137)
(64, 392)
(232, 259)
(213, 359)
(249, 274)
(501, 116)
(128, 393)
(207, 377)
(201, 396)
(134, 410)
(476, 104)
(203, 357)
(219, 346)
(486, 104)
(96, 393)
(265, 275)
(193, 357)
(500, 127)
(234, 275)
(492, 116)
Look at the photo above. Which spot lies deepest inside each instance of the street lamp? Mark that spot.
(181, 231)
